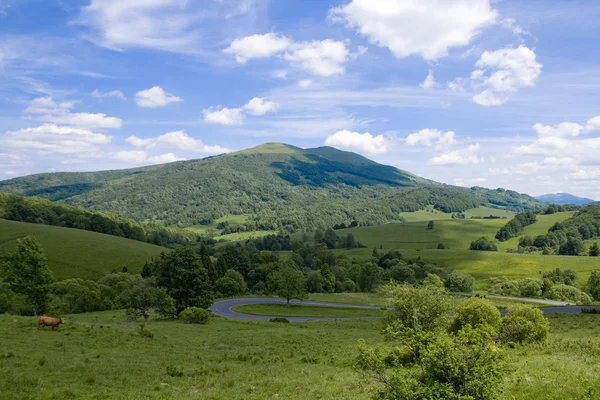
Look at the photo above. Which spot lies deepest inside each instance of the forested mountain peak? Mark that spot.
(274, 186)
(564, 198)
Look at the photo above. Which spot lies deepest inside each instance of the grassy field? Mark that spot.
(280, 310)
(415, 240)
(211, 229)
(74, 253)
(431, 214)
(100, 356)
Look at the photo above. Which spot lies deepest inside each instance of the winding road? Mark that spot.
(224, 308)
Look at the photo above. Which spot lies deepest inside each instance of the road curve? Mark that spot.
(223, 308)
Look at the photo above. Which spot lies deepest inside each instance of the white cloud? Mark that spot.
(257, 46)
(511, 24)
(466, 156)
(141, 157)
(503, 72)
(429, 137)
(155, 97)
(258, 106)
(46, 109)
(561, 130)
(429, 81)
(178, 139)
(224, 116)
(426, 27)
(156, 24)
(236, 116)
(323, 58)
(361, 142)
(304, 83)
(114, 93)
(51, 138)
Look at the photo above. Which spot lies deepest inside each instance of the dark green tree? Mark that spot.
(594, 250)
(430, 225)
(140, 296)
(184, 277)
(27, 273)
(232, 284)
(290, 283)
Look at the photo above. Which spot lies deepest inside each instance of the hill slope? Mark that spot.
(277, 185)
(74, 253)
(564, 198)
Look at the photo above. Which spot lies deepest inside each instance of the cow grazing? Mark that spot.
(49, 321)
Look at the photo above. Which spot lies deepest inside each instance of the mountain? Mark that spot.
(274, 185)
(564, 198)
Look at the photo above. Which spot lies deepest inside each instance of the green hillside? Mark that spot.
(276, 185)
(413, 240)
(74, 253)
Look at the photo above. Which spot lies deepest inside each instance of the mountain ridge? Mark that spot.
(277, 186)
(564, 198)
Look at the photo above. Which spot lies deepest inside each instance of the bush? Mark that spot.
(476, 312)
(194, 315)
(441, 246)
(232, 284)
(562, 292)
(593, 285)
(483, 244)
(281, 320)
(524, 324)
(459, 282)
(349, 286)
(174, 372)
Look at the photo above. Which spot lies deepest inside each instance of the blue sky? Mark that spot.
(468, 92)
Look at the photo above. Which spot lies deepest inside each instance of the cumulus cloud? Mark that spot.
(141, 157)
(466, 156)
(178, 139)
(324, 58)
(51, 138)
(224, 116)
(304, 83)
(236, 116)
(258, 106)
(503, 72)
(47, 110)
(114, 93)
(257, 46)
(155, 97)
(429, 137)
(429, 28)
(564, 140)
(360, 142)
(429, 81)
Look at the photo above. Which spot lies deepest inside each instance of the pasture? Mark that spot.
(75, 253)
(102, 356)
(413, 240)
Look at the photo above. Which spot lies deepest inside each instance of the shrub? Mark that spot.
(194, 315)
(459, 282)
(593, 285)
(476, 312)
(441, 246)
(281, 320)
(530, 287)
(590, 310)
(506, 288)
(483, 244)
(232, 284)
(524, 324)
(562, 292)
(349, 285)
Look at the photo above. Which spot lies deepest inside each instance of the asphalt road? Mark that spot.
(224, 309)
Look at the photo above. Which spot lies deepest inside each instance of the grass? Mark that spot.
(415, 240)
(100, 356)
(281, 310)
(359, 299)
(74, 253)
(211, 229)
(431, 214)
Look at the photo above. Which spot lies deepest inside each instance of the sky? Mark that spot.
(492, 93)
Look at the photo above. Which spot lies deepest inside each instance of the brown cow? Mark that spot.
(48, 321)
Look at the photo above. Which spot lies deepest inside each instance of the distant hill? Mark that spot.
(73, 253)
(276, 185)
(564, 198)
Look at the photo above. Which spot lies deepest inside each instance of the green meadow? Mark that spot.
(74, 253)
(102, 356)
(281, 310)
(413, 240)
